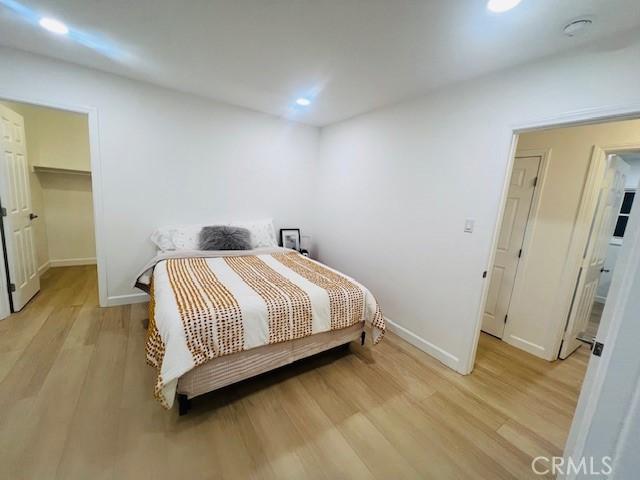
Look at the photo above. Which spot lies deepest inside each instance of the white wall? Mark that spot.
(396, 185)
(168, 157)
(633, 179)
(68, 215)
(57, 138)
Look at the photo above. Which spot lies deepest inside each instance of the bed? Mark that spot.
(219, 317)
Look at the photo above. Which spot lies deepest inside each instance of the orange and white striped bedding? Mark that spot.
(209, 304)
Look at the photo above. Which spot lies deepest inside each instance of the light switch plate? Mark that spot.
(468, 225)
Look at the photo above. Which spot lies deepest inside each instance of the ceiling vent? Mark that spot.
(577, 27)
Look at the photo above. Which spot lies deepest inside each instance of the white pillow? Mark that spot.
(177, 237)
(162, 239)
(186, 237)
(262, 232)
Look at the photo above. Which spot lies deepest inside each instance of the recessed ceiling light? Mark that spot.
(576, 26)
(500, 6)
(53, 25)
(303, 102)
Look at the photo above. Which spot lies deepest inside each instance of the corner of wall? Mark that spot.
(440, 354)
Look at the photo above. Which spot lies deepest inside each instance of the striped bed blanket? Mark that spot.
(206, 304)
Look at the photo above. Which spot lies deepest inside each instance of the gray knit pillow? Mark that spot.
(222, 237)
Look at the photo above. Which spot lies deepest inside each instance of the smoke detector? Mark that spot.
(577, 26)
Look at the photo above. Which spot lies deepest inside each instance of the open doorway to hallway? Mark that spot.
(567, 204)
(631, 158)
(569, 198)
(46, 196)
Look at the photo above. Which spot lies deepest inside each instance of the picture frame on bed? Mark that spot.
(290, 238)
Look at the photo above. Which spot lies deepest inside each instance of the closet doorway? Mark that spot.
(509, 248)
(46, 199)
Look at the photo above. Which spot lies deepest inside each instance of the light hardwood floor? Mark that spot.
(76, 403)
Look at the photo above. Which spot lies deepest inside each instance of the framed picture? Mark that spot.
(290, 238)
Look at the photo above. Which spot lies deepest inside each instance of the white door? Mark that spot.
(604, 220)
(509, 249)
(15, 195)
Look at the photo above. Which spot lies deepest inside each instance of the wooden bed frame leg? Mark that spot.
(184, 404)
(363, 335)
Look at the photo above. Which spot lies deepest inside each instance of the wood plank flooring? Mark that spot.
(76, 403)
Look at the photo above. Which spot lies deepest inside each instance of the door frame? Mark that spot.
(569, 119)
(532, 223)
(545, 155)
(5, 299)
(96, 183)
(592, 386)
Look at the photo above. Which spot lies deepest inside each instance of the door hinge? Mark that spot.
(520, 253)
(484, 274)
(535, 182)
(12, 287)
(505, 318)
(597, 348)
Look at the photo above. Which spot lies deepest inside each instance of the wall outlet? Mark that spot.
(468, 225)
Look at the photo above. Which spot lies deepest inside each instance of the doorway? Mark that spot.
(555, 249)
(631, 158)
(47, 199)
(522, 186)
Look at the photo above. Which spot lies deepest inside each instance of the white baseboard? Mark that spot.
(127, 299)
(42, 269)
(72, 262)
(440, 354)
(530, 347)
(600, 299)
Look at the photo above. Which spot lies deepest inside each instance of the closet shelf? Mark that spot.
(68, 171)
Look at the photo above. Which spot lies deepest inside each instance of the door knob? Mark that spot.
(604, 270)
(32, 216)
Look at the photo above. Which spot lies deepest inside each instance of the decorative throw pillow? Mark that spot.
(222, 237)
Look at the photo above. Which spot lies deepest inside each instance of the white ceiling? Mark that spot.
(352, 55)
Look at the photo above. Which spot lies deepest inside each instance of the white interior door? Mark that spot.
(15, 195)
(509, 249)
(604, 220)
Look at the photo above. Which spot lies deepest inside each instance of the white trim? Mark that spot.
(468, 362)
(581, 117)
(96, 176)
(127, 299)
(42, 269)
(445, 357)
(527, 346)
(71, 262)
(5, 310)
